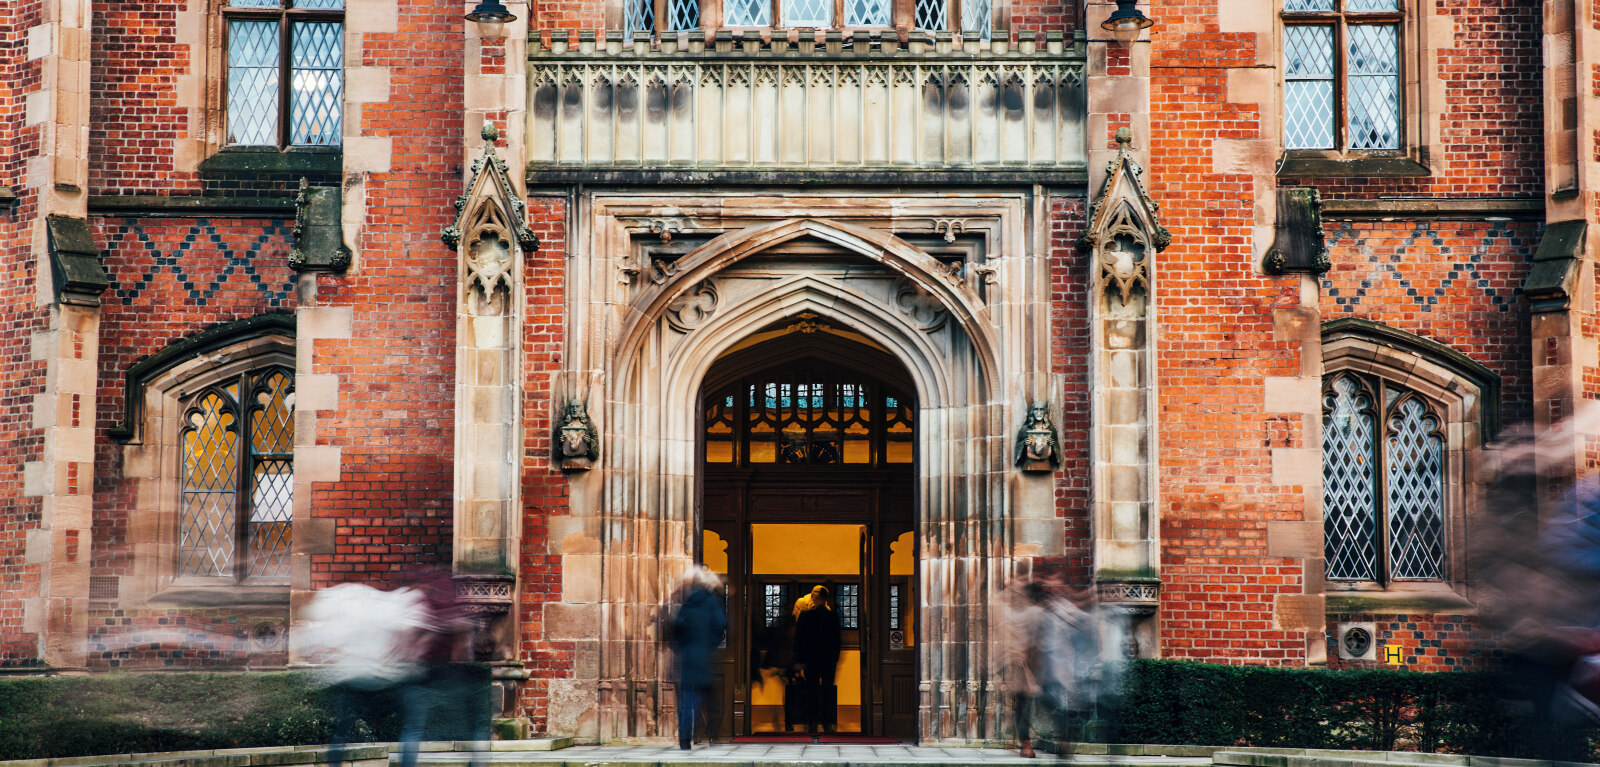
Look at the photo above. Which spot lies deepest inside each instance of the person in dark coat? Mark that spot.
(697, 631)
(816, 653)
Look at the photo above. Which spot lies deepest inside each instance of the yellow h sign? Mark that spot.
(1391, 654)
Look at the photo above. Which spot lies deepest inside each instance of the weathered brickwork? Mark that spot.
(1069, 288)
(1216, 345)
(544, 490)
(395, 421)
(135, 117)
(21, 376)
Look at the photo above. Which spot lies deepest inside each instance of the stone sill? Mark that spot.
(274, 160)
(185, 206)
(1303, 164)
(187, 595)
(1399, 600)
(808, 45)
(1473, 208)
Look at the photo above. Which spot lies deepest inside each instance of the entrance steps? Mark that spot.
(503, 754)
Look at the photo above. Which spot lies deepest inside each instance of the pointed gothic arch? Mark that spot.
(961, 329)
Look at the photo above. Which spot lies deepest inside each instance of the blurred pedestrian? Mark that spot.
(816, 655)
(697, 630)
(363, 642)
(1052, 651)
(448, 699)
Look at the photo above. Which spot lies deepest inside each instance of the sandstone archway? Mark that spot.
(960, 327)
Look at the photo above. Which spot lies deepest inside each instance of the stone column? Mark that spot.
(69, 281)
(1123, 238)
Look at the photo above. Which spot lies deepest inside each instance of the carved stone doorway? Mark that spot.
(807, 459)
(663, 287)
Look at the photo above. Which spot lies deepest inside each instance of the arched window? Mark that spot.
(1404, 420)
(1383, 473)
(808, 416)
(237, 478)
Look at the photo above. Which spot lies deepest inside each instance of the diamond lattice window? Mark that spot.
(1341, 63)
(285, 72)
(238, 478)
(1383, 491)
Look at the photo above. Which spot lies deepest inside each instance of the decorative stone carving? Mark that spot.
(502, 190)
(577, 442)
(924, 310)
(694, 307)
(950, 227)
(318, 230)
(1037, 446)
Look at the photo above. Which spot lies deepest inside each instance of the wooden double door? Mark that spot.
(776, 535)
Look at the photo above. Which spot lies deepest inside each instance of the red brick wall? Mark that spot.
(395, 422)
(21, 378)
(199, 638)
(1216, 345)
(1069, 288)
(1428, 642)
(544, 490)
(135, 120)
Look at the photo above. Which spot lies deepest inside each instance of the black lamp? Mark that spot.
(1126, 22)
(492, 16)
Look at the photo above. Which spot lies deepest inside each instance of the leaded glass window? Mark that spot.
(1383, 464)
(285, 72)
(807, 417)
(973, 19)
(775, 603)
(1341, 63)
(237, 456)
(849, 604)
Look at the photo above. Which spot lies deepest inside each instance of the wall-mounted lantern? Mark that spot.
(492, 17)
(1126, 22)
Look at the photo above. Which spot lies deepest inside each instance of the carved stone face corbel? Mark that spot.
(577, 441)
(1037, 446)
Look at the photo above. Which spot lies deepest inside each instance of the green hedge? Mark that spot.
(1462, 712)
(120, 713)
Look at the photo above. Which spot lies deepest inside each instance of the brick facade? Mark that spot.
(1234, 424)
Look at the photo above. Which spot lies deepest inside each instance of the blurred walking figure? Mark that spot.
(1052, 650)
(697, 631)
(364, 644)
(816, 656)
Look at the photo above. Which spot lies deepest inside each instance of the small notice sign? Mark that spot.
(897, 640)
(1391, 654)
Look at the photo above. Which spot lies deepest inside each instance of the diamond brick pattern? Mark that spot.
(932, 14)
(807, 13)
(682, 14)
(252, 83)
(1348, 494)
(1308, 87)
(1414, 473)
(866, 13)
(748, 13)
(206, 519)
(317, 83)
(976, 18)
(1373, 87)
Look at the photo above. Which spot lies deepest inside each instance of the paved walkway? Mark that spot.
(795, 754)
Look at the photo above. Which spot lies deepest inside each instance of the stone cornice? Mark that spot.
(819, 47)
